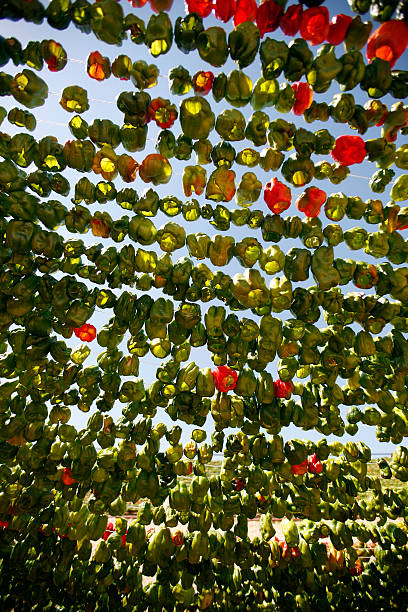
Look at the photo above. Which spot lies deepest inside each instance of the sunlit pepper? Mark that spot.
(311, 201)
(194, 179)
(349, 150)
(300, 469)
(225, 378)
(202, 7)
(314, 465)
(245, 11)
(98, 67)
(156, 169)
(268, 16)
(202, 82)
(303, 97)
(277, 196)
(224, 9)
(282, 389)
(290, 21)
(163, 112)
(389, 41)
(338, 29)
(314, 26)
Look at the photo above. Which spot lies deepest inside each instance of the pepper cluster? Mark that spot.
(323, 358)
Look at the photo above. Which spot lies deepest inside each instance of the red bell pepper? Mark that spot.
(282, 388)
(98, 67)
(299, 469)
(303, 97)
(202, 82)
(338, 28)
(225, 9)
(86, 332)
(109, 529)
(268, 16)
(314, 26)
(245, 11)
(239, 484)
(349, 150)
(277, 196)
(291, 20)
(67, 478)
(314, 465)
(201, 7)
(389, 41)
(177, 538)
(311, 201)
(225, 378)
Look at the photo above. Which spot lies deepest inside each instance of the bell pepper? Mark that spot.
(156, 169)
(314, 26)
(342, 108)
(144, 75)
(224, 10)
(230, 125)
(212, 46)
(298, 170)
(98, 67)
(388, 42)
(134, 105)
(163, 112)
(274, 57)
(399, 189)
(281, 134)
(245, 11)
(325, 275)
(299, 60)
(352, 72)
(377, 78)
(122, 67)
(265, 93)
(225, 378)
(202, 82)
(277, 196)
(335, 207)
(304, 142)
(250, 289)
(314, 465)
(300, 469)
(349, 150)
(243, 42)
(221, 185)
(28, 89)
(248, 157)
(357, 34)
(22, 118)
(270, 159)
(86, 332)
(297, 264)
(74, 99)
(196, 118)
(395, 120)
(380, 180)
(317, 111)
(290, 21)
(194, 179)
(202, 7)
(338, 29)
(303, 97)
(282, 389)
(238, 89)
(159, 34)
(324, 69)
(249, 190)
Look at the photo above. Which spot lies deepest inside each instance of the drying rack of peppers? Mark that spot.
(320, 345)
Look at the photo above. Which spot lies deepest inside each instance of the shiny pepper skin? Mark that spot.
(303, 97)
(291, 20)
(338, 29)
(314, 26)
(311, 201)
(282, 389)
(389, 41)
(86, 332)
(349, 150)
(314, 466)
(277, 196)
(202, 82)
(67, 478)
(300, 468)
(225, 378)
